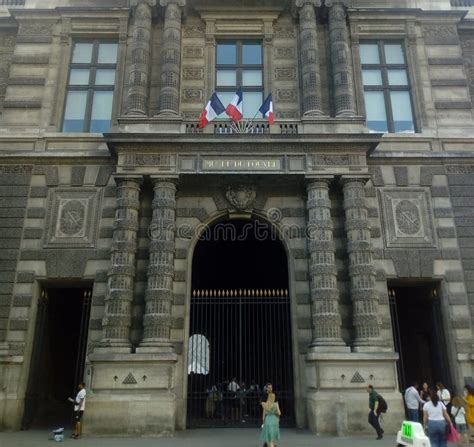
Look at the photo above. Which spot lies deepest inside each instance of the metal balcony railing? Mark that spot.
(462, 3)
(12, 2)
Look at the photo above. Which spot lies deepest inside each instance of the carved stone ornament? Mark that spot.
(241, 197)
(177, 2)
(346, 3)
(137, 2)
(315, 3)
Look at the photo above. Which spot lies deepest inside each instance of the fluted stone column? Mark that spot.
(137, 98)
(159, 291)
(322, 265)
(364, 295)
(119, 296)
(171, 58)
(341, 59)
(309, 56)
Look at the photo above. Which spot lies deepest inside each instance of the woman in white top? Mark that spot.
(443, 394)
(459, 414)
(435, 418)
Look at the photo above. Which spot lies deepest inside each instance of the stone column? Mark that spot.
(118, 300)
(341, 58)
(364, 295)
(309, 52)
(322, 265)
(171, 58)
(159, 292)
(137, 99)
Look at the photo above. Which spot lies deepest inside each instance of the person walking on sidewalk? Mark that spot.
(435, 419)
(373, 411)
(469, 399)
(413, 401)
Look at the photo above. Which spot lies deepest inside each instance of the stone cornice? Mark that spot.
(346, 3)
(301, 3)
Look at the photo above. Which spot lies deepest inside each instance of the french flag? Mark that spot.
(213, 109)
(267, 109)
(234, 109)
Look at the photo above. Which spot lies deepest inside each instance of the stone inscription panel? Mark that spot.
(72, 217)
(407, 218)
(241, 164)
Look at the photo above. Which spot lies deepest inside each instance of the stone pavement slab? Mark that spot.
(197, 438)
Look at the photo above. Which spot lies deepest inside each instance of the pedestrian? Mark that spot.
(270, 421)
(79, 407)
(373, 411)
(435, 418)
(469, 399)
(425, 392)
(459, 416)
(443, 394)
(232, 389)
(413, 401)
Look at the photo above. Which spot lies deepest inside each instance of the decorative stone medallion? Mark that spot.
(72, 217)
(407, 218)
(241, 197)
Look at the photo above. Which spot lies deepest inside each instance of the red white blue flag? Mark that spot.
(213, 109)
(267, 109)
(234, 109)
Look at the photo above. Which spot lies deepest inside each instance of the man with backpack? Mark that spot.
(377, 405)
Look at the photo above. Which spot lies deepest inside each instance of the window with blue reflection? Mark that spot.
(387, 90)
(226, 53)
(239, 63)
(90, 91)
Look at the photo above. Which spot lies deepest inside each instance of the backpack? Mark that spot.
(383, 407)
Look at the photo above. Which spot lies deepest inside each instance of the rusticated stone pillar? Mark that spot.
(309, 56)
(118, 300)
(137, 99)
(322, 265)
(159, 291)
(361, 266)
(171, 58)
(341, 58)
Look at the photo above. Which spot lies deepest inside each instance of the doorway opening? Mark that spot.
(240, 326)
(418, 333)
(58, 355)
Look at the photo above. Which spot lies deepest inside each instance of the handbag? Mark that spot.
(453, 435)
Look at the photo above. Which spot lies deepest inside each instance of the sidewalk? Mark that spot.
(197, 438)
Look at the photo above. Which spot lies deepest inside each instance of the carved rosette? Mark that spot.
(309, 55)
(171, 58)
(137, 99)
(160, 274)
(241, 197)
(341, 58)
(326, 317)
(118, 300)
(361, 265)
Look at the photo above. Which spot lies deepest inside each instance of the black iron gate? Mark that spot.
(239, 341)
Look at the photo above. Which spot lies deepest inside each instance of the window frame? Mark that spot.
(90, 87)
(385, 87)
(239, 67)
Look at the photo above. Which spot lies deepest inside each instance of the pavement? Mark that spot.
(227, 437)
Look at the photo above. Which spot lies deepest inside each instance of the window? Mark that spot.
(239, 64)
(387, 89)
(90, 88)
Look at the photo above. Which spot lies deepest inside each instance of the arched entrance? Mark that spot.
(240, 325)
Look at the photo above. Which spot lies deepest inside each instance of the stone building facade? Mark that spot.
(380, 214)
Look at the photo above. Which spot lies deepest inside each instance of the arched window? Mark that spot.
(198, 355)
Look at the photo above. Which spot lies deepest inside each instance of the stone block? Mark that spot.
(464, 232)
(25, 277)
(375, 232)
(376, 175)
(33, 233)
(7, 277)
(103, 175)
(446, 232)
(301, 275)
(8, 266)
(98, 300)
(454, 275)
(13, 202)
(439, 191)
(5, 299)
(106, 233)
(108, 212)
(443, 212)
(298, 253)
(22, 300)
(450, 253)
(101, 276)
(36, 213)
(13, 191)
(401, 175)
(179, 299)
(17, 324)
(39, 192)
(77, 175)
(110, 191)
(67, 263)
(180, 275)
(8, 254)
